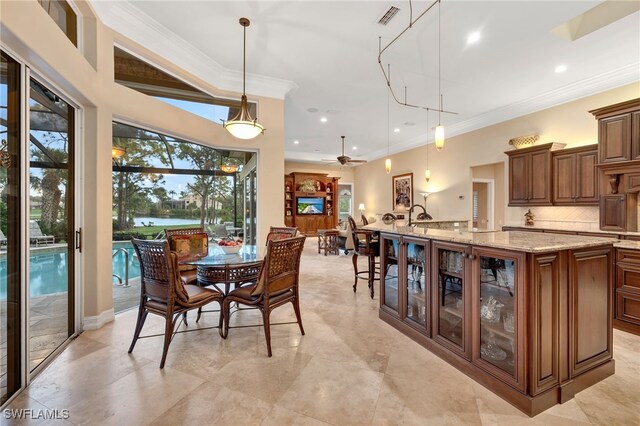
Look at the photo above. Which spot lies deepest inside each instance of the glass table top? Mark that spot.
(217, 257)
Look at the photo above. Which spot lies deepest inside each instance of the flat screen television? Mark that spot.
(310, 205)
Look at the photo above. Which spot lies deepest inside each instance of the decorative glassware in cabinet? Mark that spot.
(450, 295)
(416, 273)
(390, 273)
(498, 313)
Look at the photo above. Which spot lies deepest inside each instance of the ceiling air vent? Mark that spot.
(389, 14)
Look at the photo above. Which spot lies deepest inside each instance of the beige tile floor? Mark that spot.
(349, 368)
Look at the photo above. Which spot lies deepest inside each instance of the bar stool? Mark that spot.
(368, 246)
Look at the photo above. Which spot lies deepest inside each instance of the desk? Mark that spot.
(220, 268)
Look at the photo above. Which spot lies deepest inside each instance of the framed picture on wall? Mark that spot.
(402, 186)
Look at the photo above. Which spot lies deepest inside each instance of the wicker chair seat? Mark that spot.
(244, 294)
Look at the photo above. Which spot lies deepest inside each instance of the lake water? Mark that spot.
(164, 221)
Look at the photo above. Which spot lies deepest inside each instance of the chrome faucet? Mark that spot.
(421, 216)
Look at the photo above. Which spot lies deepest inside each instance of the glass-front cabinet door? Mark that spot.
(415, 291)
(498, 314)
(390, 247)
(450, 297)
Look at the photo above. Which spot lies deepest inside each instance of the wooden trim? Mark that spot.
(544, 331)
(577, 306)
(616, 109)
(553, 146)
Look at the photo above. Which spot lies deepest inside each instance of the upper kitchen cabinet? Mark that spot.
(530, 175)
(619, 131)
(575, 177)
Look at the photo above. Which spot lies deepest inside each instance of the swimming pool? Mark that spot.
(48, 269)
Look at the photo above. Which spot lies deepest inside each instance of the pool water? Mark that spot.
(48, 271)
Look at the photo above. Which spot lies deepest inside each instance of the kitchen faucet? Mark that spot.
(421, 216)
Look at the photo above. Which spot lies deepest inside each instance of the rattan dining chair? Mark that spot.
(291, 230)
(162, 292)
(276, 286)
(188, 273)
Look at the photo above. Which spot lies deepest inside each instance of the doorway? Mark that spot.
(482, 203)
(345, 201)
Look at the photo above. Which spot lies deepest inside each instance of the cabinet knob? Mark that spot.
(471, 257)
(621, 199)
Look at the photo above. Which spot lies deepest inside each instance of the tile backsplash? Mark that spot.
(585, 218)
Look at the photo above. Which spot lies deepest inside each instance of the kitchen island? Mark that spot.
(526, 315)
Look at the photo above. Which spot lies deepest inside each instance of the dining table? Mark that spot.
(222, 270)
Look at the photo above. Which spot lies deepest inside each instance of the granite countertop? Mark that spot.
(627, 244)
(515, 240)
(438, 220)
(591, 231)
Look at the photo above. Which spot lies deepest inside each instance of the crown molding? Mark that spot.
(580, 89)
(131, 22)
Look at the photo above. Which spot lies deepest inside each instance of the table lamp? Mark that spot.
(361, 208)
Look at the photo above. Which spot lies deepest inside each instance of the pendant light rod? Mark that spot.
(245, 23)
(387, 76)
(439, 63)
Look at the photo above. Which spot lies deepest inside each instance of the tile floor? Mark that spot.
(349, 368)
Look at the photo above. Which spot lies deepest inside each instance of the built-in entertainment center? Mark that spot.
(309, 201)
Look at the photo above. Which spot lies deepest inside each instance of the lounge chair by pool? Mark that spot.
(3, 239)
(37, 237)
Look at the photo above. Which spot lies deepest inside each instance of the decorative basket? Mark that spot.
(524, 141)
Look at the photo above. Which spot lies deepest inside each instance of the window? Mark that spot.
(64, 17)
(345, 201)
(138, 75)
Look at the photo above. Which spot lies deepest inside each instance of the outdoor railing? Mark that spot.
(126, 267)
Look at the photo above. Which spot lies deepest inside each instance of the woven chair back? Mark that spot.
(183, 231)
(281, 266)
(158, 273)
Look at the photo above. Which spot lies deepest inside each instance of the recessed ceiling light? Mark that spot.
(296, 142)
(323, 119)
(561, 68)
(396, 130)
(473, 37)
(354, 148)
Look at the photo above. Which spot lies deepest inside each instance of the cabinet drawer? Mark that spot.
(633, 182)
(628, 277)
(628, 307)
(628, 256)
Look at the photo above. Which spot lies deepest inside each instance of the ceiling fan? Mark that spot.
(343, 159)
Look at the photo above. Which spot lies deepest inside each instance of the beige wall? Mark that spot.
(30, 34)
(483, 207)
(450, 168)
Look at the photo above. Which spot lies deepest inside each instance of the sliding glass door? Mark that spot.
(51, 225)
(10, 247)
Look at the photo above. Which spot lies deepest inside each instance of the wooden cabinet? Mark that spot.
(575, 178)
(498, 314)
(614, 135)
(405, 276)
(535, 328)
(530, 176)
(627, 292)
(320, 190)
(451, 297)
(618, 212)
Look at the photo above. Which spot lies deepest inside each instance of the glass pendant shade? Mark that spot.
(387, 165)
(427, 175)
(242, 126)
(229, 168)
(439, 137)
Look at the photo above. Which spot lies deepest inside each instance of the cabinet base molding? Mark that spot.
(529, 405)
(626, 326)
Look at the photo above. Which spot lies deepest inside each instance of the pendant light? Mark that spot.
(427, 172)
(242, 126)
(117, 152)
(439, 134)
(387, 162)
